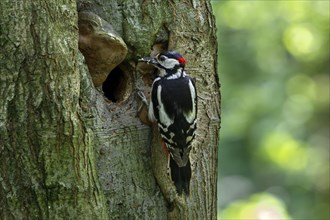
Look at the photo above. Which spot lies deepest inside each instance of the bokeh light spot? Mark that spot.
(301, 84)
(284, 151)
(262, 206)
(299, 40)
(297, 109)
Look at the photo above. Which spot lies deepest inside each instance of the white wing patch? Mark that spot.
(163, 117)
(191, 115)
(151, 114)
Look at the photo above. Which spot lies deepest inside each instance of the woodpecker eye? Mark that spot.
(162, 58)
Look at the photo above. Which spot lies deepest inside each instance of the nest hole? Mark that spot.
(117, 85)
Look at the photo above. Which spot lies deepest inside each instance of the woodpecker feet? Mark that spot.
(142, 108)
(142, 98)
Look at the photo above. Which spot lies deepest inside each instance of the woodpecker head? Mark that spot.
(169, 60)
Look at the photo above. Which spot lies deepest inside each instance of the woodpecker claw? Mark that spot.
(142, 97)
(142, 108)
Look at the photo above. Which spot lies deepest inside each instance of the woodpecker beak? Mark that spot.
(148, 60)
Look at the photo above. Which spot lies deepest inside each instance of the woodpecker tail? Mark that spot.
(180, 176)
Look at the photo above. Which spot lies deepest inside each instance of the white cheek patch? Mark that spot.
(191, 115)
(170, 63)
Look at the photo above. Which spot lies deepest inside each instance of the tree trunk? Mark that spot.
(71, 150)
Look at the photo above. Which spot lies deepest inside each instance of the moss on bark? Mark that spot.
(68, 152)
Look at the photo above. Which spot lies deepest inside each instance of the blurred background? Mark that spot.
(274, 140)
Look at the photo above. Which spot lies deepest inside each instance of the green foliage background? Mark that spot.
(274, 147)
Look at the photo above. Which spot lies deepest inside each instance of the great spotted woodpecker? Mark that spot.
(173, 106)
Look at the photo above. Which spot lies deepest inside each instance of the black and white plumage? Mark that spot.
(173, 106)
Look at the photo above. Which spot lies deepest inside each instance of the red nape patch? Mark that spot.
(182, 60)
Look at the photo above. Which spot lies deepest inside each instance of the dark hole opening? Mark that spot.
(114, 85)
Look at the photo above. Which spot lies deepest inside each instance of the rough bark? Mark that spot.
(47, 165)
(53, 120)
